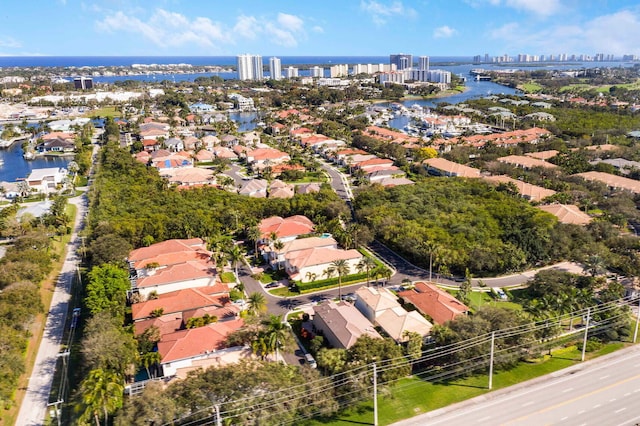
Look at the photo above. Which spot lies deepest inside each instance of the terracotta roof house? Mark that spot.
(204, 155)
(182, 349)
(286, 229)
(543, 155)
(567, 213)
(279, 189)
(526, 162)
(526, 190)
(374, 162)
(442, 167)
(612, 181)
(263, 157)
(171, 265)
(210, 141)
(254, 188)
(153, 134)
(381, 307)
(430, 300)
(377, 174)
(604, 147)
(395, 181)
(224, 152)
(308, 188)
(143, 157)
(172, 161)
(341, 324)
(190, 176)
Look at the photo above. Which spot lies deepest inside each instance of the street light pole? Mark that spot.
(586, 332)
(635, 333)
(493, 341)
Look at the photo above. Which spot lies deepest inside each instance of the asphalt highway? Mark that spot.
(605, 391)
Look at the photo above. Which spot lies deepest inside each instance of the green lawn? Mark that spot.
(530, 87)
(228, 277)
(109, 111)
(412, 396)
(479, 299)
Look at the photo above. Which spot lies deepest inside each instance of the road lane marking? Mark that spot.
(611, 400)
(627, 394)
(484, 419)
(581, 411)
(596, 406)
(604, 377)
(567, 390)
(620, 410)
(526, 404)
(564, 418)
(577, 398)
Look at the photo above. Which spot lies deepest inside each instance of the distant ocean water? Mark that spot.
(123, 61)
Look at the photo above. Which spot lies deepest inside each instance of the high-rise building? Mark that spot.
(401, 61)
(291, 72)
(83, 83)
(317, 72)
(275, 68)
(423, 63)
(337, 71)
(250, 67)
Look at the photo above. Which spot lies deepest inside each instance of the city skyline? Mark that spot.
(359, 28)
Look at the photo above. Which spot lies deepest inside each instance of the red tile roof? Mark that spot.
(190, 343)
(287, 227)
(180, 301)
(430, 300)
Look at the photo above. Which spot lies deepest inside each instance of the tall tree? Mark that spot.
(235, 256)
(257, 303)
(340, 268)
(366, 264)
(101, 394)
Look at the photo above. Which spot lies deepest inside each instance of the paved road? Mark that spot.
(34, 405)
(604, 391)
(338, 182)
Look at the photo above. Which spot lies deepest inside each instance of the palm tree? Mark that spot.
(257, 303)
(367, 264)
(431, 248)
(254, 235)
(275, 334)
(594, 264)
(101, 392)
(149, 359)
(341, 268)
(311, 276)
(235, 256)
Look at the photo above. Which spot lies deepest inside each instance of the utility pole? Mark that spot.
(218, 419)
(493, 341)
(586, 333)
(375, 395)
(635, 333)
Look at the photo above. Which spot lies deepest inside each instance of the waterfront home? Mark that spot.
(46, 180)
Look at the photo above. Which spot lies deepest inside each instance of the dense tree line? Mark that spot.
(471, 224)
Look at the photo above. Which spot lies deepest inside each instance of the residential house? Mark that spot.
(256, 188)
(285, 229)
(395, 181)
(437, 304)
(174, 144)
(210, 141)
(204, 155)
(192, 176)
(172, 161)
(46, 180)
(314, 262)
(526, 162)
(442, 167)
(170, 266)
(612, 181)
(279, 189)
(341, 324)
(567, 213)
(200, 347)
(526, 190)
(264, 157)
(308, 188)
(276, 257)
(381, 307)
(543, 155)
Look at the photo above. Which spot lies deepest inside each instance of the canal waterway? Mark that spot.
(13, 166)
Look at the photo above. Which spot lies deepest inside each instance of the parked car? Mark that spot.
(309, 359)
(272, 284)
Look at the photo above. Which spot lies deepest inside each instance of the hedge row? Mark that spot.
(330, 282)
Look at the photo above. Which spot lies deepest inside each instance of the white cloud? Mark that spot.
(538, 7)
(167, 29)
(317, 29)
(380, 12)
(615, 33)
(444, 32)
(170, 29)
(9, 42)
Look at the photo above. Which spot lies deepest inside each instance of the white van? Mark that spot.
(309, 359)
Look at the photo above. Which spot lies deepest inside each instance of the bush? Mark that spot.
(349, 279)
(593, 344)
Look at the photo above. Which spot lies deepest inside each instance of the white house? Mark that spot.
(46, 180)
(303, 265)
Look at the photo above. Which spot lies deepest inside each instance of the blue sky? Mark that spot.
(327, 28)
